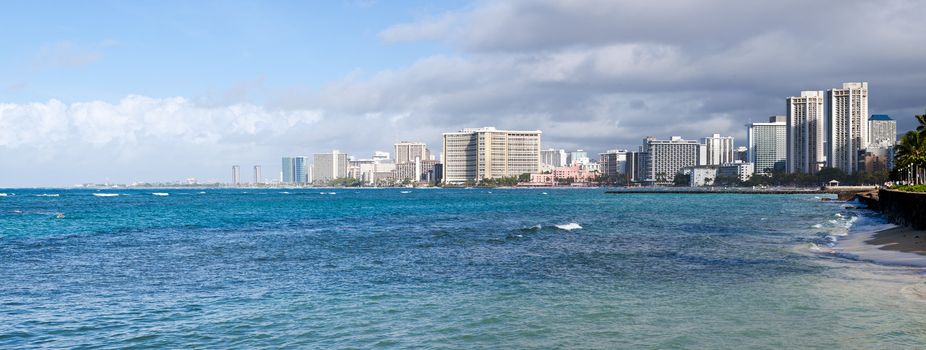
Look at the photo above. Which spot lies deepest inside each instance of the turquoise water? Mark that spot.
(467, 268)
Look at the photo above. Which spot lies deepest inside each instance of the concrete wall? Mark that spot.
(904, 208)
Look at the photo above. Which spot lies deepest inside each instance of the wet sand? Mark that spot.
(900, 239)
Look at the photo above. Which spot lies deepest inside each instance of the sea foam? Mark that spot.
(569, 227)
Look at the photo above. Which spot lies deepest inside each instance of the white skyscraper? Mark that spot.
(847, 125)
(768, 144)
(236, 175)
(805, 133)
(718, 150)
(257, 175)
(487, 153)
(553, 157)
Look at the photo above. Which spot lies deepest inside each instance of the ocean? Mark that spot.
(444, 269)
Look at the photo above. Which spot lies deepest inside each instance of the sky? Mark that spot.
(126, 91)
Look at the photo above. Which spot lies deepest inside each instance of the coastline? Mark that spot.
(894, 245)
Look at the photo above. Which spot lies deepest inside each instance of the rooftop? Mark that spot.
(880, 117)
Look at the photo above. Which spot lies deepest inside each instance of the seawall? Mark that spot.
(903, 208)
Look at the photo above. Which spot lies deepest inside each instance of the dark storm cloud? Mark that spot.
(581, 70)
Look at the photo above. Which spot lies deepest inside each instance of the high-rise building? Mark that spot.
(882, 131)
(236, 175)
(329, 166)
(634, 167)
(300, 170)
(665, 158)
(718, 149)
(579, 157)
(768, 145)
(805, 125)
(407, 151)
(258, 178)
(553, 157)
(741, 153)
(847, 125)
(487, 153)
(287, 171)
(612, 162)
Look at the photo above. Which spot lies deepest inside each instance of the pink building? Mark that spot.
(563, 175)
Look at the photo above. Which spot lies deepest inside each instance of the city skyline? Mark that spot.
(94, 93)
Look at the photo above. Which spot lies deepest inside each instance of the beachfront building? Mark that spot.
(634, 167)
(718, 149)
(236, 175)
(408, 151)
(847, 124)
(286, 170)
(701, 175)
(612, 162)
(882, 131)
(805, 125)
(740, 170)
(329, 166)
(665, 158)
(487, 153)
(568, 175)
(768, 144)
(258, 177)
(553, 158)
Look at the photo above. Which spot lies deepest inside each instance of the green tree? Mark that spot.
(910, 154)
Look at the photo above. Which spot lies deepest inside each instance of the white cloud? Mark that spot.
(143, 137)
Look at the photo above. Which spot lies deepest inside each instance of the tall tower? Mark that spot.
(719, 149)
(257, 175)
(768, 145)
(847, 125)
(236, 175)
(805, 132)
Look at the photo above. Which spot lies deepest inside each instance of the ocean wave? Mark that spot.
(569, 227)
(161, 194)
(106, 194)
(5, 194)
(47, 195)
(813, 247)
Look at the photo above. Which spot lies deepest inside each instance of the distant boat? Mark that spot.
(106, 194)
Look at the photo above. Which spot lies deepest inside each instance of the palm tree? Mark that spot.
(922, 127)
(911, 153)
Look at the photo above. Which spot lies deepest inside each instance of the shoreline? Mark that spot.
(895, 246)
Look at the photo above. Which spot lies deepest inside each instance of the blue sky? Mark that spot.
(125, 91)
(105, 50)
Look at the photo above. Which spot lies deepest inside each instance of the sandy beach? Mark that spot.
(900, 239)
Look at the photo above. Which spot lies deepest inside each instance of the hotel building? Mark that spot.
(487, 153)
(768, 144)
(805, 127)
(847, 125)
(329, 166)
(718, 150)
(665, 158)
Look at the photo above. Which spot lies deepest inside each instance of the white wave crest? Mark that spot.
(569, 227)
(106, 194)
(162, 194)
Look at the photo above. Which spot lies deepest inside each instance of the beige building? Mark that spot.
(407, 151)
(805, 123)
(488, 153)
